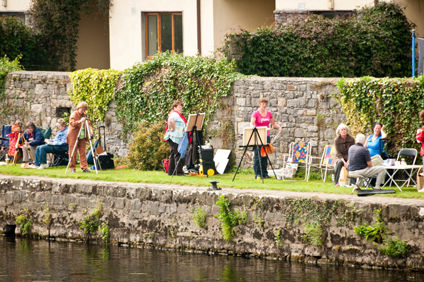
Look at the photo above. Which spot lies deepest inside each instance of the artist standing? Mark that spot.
(262, 117)
(174, 134)
(76, 120)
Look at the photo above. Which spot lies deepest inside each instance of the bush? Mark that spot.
(96, 87)
(374, 41)
(17, 39)
(395, 102)
(149, 89)
(148, 149)
(395, 248)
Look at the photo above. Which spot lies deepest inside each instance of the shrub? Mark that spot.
(147, 149)
(149, 89)
(96, 87)
(19, 40)
(395, 102)
(374, 41)
(373, 233)
(395, 248)
(229, 219)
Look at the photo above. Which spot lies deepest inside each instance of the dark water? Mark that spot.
(24, 260)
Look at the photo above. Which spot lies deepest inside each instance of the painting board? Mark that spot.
(195, 119)
(247, 132)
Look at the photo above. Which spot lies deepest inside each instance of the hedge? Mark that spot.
(395, 102)
(374, 41)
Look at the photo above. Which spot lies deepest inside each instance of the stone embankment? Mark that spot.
(311, 227)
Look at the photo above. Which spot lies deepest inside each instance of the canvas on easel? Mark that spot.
(247, 132)
(195, 120)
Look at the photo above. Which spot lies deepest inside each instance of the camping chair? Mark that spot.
(299, 154)
(328, 160)
(4, 142)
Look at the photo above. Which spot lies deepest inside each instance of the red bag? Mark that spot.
(166, 165)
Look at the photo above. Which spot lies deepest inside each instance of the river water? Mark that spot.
(28, 260)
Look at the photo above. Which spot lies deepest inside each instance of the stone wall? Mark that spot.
(42, 97)
(302, 106)
(278, 223)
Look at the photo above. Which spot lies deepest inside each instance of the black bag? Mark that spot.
(106, 161)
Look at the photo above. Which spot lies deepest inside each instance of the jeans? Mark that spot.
(42, 150)
(263, 160)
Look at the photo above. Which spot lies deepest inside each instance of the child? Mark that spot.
(420, 139)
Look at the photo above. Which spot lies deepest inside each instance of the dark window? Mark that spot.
(164, 32)
(62, 111)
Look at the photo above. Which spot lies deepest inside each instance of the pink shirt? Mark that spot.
(262, 120)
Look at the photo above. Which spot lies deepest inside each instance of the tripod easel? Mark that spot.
(257, 143)
(95, 158)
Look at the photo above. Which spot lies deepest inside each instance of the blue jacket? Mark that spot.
(38, 137)
(60, 138)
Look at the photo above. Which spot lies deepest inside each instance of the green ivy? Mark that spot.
(395, 248)
(96, 87)
(25, 222)
(199, 217)
(313, 234)
(149, 89)
(57, 24)
(229, 219)
(91, 223)
(374, 41)
(374, 233)
(395, 102)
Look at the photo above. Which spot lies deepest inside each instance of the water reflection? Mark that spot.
(25, 260)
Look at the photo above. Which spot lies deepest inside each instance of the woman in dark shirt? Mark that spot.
(342, 143)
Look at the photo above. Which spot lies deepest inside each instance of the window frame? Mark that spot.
(159, 30)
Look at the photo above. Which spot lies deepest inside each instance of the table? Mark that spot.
(391, 172)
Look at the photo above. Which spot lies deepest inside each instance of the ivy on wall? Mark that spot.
(57, 25)
(7, 66)
(395, 102)
(149, 89)
(96, 87)
(374, 41)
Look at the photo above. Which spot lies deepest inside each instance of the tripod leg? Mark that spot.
(91, 145)
(241, 159)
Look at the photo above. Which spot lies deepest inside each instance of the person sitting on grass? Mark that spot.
(56, 146)
(360, 165)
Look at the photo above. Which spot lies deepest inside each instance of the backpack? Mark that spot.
(165, 165)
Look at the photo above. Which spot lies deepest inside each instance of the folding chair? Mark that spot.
(300, 153)
(4, 141)
(410, 155)
(328, 160)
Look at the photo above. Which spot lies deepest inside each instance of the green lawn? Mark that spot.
(244, 180)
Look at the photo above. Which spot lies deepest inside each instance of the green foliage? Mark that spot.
(395, 102)
(104, 233)
(373, 233)
(229, 219)
(395, 248)
(199, 217)
(278, 238)
(149, 89)
(147, 149)
(90, 224)
(96, 87)
(7, 66)
(47, 219)
(19, 40)
(313, 234)
(374, 41)
(57, 22)
(25, 222)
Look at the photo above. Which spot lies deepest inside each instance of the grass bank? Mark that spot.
(244, 180)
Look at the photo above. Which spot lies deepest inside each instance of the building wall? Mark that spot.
(93, 41)
(233, 15)
(322, 4)
(414, 10)
(127, 29)
(14, 5)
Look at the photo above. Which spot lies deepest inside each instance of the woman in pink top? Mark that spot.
(262, 117)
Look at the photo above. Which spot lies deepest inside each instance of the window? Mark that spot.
(164, 32)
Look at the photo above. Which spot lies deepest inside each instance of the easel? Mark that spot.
(256, 144)
(194, 121)
(95, 157)
(21, 135)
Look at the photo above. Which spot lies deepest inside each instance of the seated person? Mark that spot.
(56, 146)
(360, 165)
(342, 143)
(33, 138)
(375, 144)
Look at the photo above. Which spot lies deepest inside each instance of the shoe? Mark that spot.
(337, 185)
(43, 166)
(86, 170)
(267, 176)
(73, 170)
